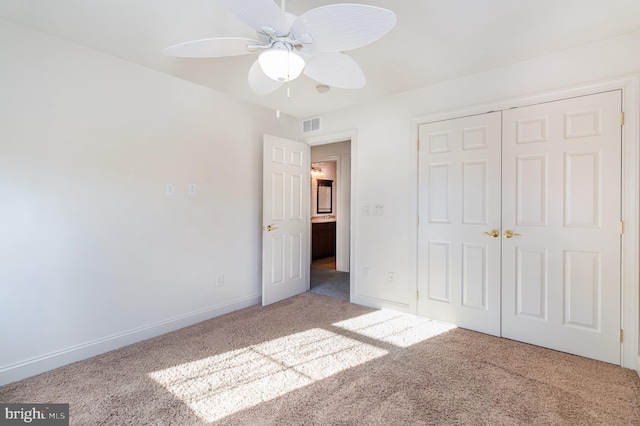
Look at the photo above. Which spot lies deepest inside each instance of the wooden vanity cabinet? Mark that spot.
(323, 240)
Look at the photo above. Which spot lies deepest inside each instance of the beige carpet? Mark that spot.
(316, 360)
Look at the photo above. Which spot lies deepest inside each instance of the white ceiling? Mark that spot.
(433, 41)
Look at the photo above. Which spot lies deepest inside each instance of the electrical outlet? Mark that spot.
(365, 273)
(366, 210)
(170, 189)
(191, 189)
(378, 210)
(391, 276)
(220, 280)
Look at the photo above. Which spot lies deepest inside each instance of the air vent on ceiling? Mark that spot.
(311, 125)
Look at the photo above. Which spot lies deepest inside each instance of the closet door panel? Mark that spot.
(561, 189)
(459, 205)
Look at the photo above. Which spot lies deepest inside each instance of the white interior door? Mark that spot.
(561, 192)
(285, 247)
(459, 229)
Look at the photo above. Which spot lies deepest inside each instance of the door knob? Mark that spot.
(508, 233)
(270, 228)
(494, 233)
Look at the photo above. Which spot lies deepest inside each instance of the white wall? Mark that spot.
(93, 254)
(386, 162)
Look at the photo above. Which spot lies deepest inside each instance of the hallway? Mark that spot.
(327, 281)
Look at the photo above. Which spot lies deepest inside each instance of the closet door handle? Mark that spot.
(494, 233)
(508, 233)
(270, 228)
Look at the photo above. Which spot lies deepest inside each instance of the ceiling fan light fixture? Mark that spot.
(281, 64)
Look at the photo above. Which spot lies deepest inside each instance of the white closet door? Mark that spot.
(561, 195)
(459, 206)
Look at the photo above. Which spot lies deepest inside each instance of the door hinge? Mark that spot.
(417, 295)
(621, 335)
(621, 227)
(418, 144)
(622, 118)
(417, 220)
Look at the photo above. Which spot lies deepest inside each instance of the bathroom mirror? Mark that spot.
(325, 196)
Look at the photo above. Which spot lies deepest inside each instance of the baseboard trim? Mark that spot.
(40, 364)
(378, 303)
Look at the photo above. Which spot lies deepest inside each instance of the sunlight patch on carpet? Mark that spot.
(223, 384)
(393, 327)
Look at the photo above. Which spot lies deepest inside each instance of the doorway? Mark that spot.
(330, 215)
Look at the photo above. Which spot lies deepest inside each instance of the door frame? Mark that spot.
(325, 139)
(630, 273)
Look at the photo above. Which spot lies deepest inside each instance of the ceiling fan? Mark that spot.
(288, 45)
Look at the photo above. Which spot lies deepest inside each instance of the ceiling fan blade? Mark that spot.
(259, 14)
(211, 47)
(259, 82)
(335, 69)
(341, 27)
